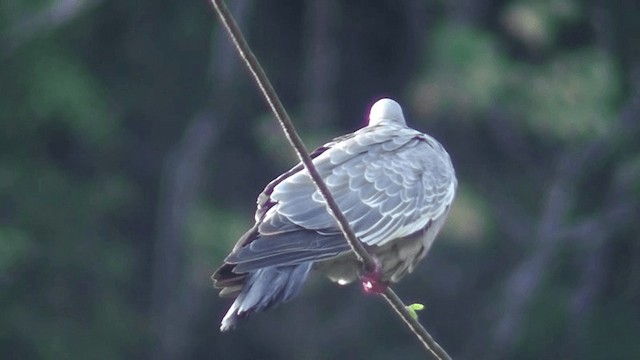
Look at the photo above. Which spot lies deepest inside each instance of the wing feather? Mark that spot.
(389, 183)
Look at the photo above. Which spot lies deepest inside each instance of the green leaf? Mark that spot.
(413, 308)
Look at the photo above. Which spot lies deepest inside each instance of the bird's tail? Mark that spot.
(265, 288)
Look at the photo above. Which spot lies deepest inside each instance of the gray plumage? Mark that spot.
(394, 184)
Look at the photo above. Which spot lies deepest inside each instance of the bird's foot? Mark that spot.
(372, 282)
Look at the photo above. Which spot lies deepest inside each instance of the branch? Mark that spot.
(421, 333)
(176, 297)
(281, 115)
(571, 168)
(172, 295)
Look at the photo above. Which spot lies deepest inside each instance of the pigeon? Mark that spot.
(395, 186)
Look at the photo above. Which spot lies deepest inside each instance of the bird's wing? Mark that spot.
(388, 183)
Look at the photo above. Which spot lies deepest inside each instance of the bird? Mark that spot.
(395, 186)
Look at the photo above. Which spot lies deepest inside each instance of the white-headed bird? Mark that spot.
(395, 186)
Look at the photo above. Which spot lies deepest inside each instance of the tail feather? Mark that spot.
(265, 288)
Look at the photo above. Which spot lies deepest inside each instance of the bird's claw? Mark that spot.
(372, 282)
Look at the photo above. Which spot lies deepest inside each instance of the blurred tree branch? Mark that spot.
(175, 298)
(46, 20)
(572, 167)
(322, 63)
(170, 293)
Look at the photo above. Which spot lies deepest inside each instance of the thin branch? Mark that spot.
(401, 309)
(280, 113)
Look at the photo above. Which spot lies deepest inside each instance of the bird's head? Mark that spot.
(386, 110)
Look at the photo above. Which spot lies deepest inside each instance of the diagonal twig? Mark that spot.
(281, 115)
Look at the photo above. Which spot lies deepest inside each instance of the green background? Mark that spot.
(133, 146)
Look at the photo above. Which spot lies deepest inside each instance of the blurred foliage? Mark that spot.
(206, 220)
(465, 74)
(96, 98)
(537, 24)
(570, 96)
(470, 219)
